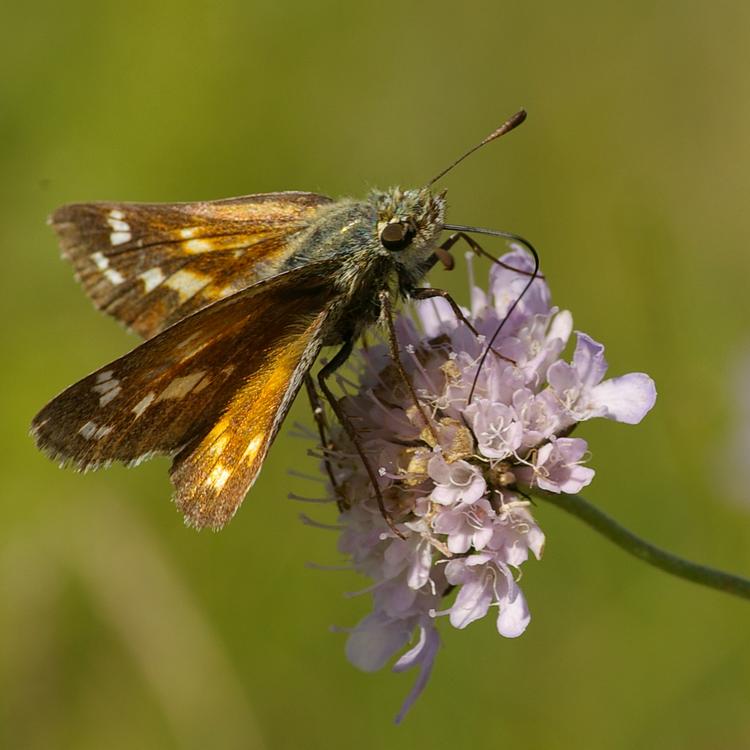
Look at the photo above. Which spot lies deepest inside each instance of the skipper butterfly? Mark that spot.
(235, 299)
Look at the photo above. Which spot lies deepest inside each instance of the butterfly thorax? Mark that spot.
(351, 231)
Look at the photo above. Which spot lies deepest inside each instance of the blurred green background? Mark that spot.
(121, 628)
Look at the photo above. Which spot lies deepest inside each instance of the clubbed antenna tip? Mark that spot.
(510, 124)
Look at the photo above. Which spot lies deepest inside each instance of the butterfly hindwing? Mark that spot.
(215, 470)
(211, 391)
(150, 265)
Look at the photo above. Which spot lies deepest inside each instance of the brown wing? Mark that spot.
(150, 265)
(211, 390)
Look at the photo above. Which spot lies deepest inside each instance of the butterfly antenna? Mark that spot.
(533, 276)
(506, 127)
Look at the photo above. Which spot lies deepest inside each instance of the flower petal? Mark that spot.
(561, 326)
(435, 315)
(422, 654)
(472, 602)
(514, 616)
(375, 640)
(626, 399)
(588, 360)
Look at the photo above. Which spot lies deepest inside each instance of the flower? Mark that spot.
(455, 469)
(556, 466)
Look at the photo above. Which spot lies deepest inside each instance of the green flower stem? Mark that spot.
(677, 566)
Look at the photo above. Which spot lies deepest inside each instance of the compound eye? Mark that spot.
(397, 235)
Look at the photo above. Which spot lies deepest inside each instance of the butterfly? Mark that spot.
(235, 298)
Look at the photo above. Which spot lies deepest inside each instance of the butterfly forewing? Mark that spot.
(150, 265)
(211, 390)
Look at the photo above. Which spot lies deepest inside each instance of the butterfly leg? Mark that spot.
(325, 441)
(387, 308)
(325, 372)
(430, 293)
(479, 250)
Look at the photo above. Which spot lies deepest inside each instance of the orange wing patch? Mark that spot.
(212, 475)
(150, 265)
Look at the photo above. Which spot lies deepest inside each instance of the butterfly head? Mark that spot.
(408, 224)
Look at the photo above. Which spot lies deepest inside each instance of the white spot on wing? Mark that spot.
(180, 387)
(118, 238)
(143, 404)
(151, 279)
(203, 384)
(252, 449)
(187, 232)
(187, 283)
(108, 388)
(199, 246)
(109, 395)
(91, 430)
(218, 477)
(114, 277)
(88, 430)
(118, 225)
(103, 386)
(102, 262)
(120, 228)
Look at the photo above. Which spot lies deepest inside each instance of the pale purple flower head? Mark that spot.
(458, 489)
